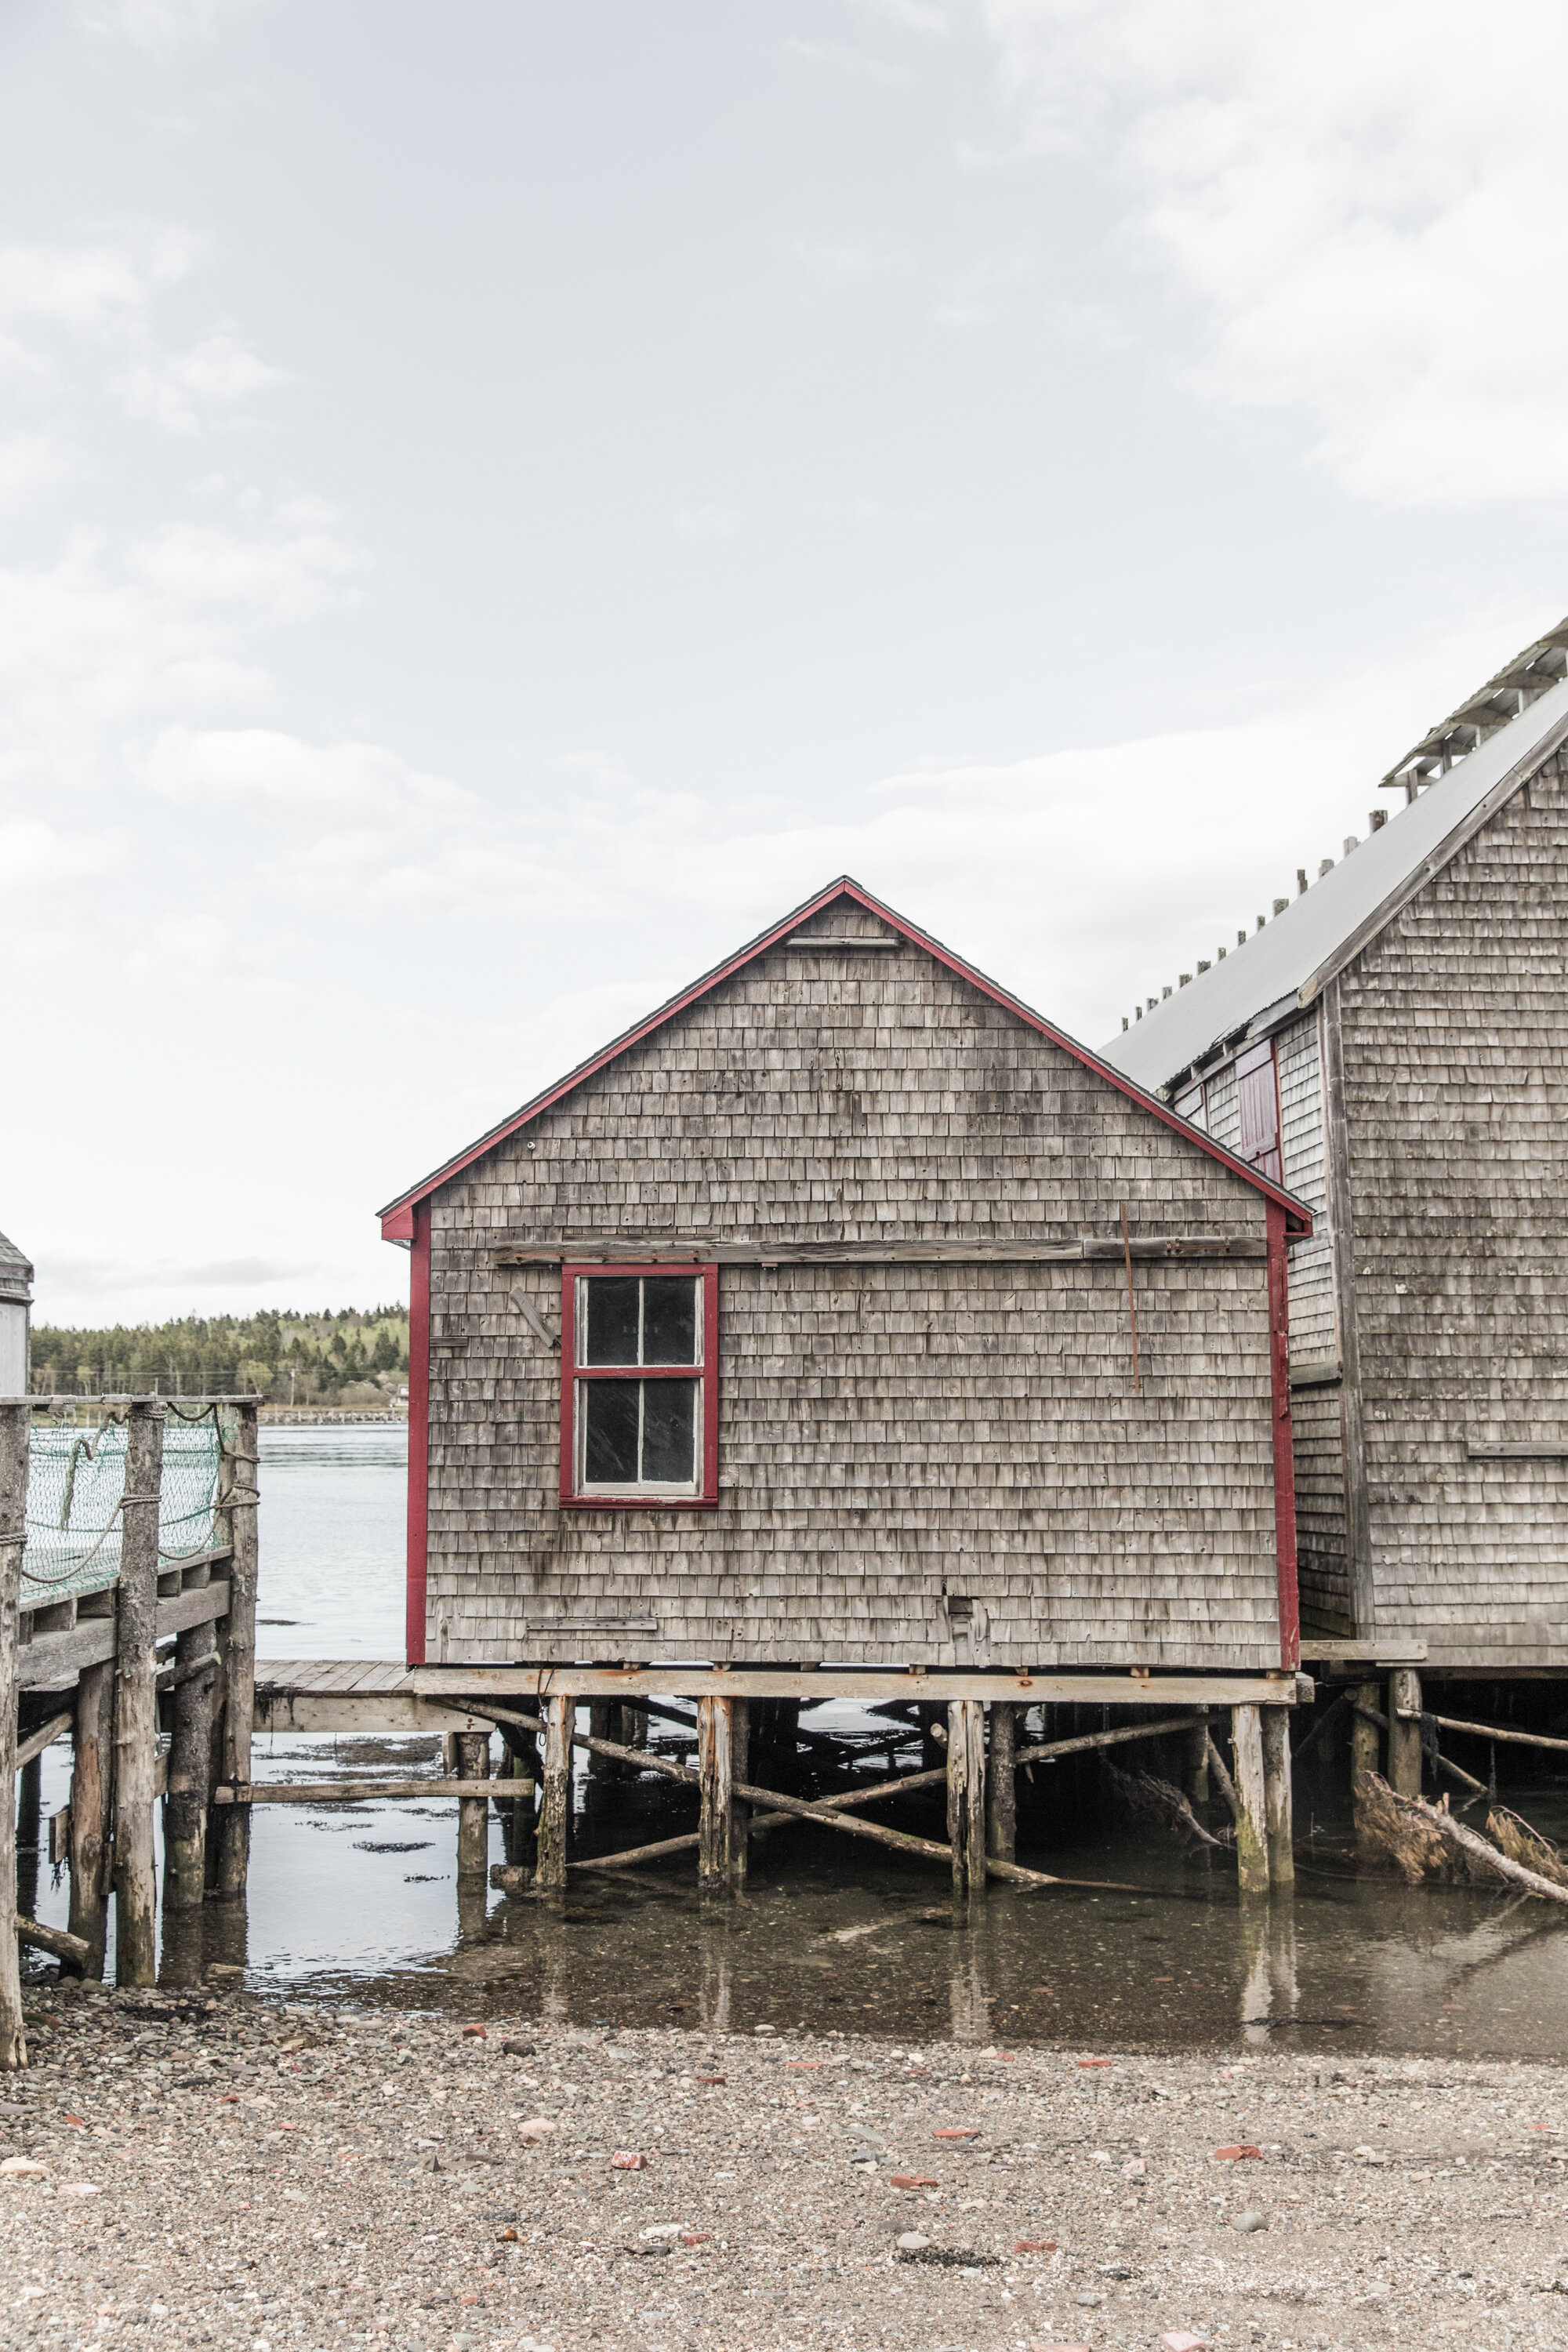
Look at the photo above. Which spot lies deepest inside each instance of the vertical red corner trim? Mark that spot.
(418, 1434)
(710, 1384)
(1284, 1449)
(568, 1381)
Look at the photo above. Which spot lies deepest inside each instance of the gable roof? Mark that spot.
(397, 1217)
(1289, 962)
(16, 1273)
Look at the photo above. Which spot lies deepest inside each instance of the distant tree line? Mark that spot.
(342, 1358)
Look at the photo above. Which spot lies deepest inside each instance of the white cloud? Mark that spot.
(101, 292)
(36, 858)
(182, 391)
(1349, 201)
(96, 288)
(160, 25)
(255, 768)
(33, 463)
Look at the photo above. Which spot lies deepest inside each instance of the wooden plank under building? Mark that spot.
(1277, 1688)
(329, 1694)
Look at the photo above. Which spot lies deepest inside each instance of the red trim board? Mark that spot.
(418, 1430)
(1284, 1443)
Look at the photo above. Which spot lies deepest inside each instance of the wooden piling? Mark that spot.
(1366, 1757)
(1252, 1817)
(473, 1813)
(14, 1423)
(189, 1793)
(521, 1767)
(555, 1811)
(238, 1499)
(1001, 1784)
(740, 1811)
(92, 1812)
(1197, 1774)
(136, 1701)
(1405, 1732)
(715, 1771)
(966, 1793)
(1278, 1804)
(29, 1832)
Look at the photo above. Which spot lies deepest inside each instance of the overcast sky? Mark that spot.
(498, 502)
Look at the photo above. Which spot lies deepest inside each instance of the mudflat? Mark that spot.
(216, 2170)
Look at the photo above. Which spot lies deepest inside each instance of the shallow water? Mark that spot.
(831, 1932)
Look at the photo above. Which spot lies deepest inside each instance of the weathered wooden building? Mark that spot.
(845, 1312)
(1392, 1046)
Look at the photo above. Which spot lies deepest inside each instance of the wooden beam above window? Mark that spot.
(667, 1249)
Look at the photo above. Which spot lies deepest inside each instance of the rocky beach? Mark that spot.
(211, 2168)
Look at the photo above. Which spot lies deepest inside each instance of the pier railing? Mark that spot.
(128, 1570)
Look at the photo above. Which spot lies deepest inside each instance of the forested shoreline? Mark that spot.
(348, 1356)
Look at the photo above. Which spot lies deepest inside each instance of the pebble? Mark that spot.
(1409, 2201)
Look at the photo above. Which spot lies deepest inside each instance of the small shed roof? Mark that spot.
(397, 1217)
(16, 1273)
(1287, 963)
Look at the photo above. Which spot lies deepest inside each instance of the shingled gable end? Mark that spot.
(797, 1327)
(1394, 1045)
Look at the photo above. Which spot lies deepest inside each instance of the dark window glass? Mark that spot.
(668, 1430)
(610, 1414)
(669, 1320)
(612, 1334)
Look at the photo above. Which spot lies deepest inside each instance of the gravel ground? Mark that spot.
(201, 2169)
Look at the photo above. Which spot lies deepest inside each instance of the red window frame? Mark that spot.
(706, 1374)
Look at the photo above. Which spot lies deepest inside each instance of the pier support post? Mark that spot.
(29, 1800)
(1252, 1821)
(602, 1771)
(739, 1812)
(190, 1767)
(517, 1819)
(1198, 1766)
(1364, 1758)
(1001, 1785)
(1404, 1733)
(136, 1701)
(238, 1505)
(966, 1793)
(716, 1820)
(92, 1810)
(13, 1531)
(473, 1813)
(559, 1712)
(1279, 1810)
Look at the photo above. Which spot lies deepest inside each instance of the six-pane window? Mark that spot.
(639, 1427)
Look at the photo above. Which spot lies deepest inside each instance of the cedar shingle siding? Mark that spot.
(1454, 1023)
(891, 1435)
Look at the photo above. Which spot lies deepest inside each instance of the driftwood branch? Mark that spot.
(44, 1737)
(1494, 1731)
(1455, 1771)
(1426, 1840)
(1082, 1745)
(1150, 1799)
(1526, 1845)
(831, 1813)
(54, 1940)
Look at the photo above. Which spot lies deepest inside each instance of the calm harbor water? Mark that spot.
(348, 1898)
